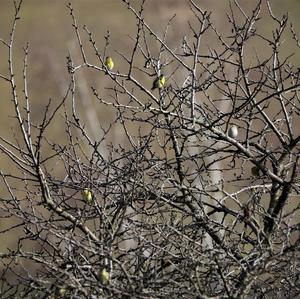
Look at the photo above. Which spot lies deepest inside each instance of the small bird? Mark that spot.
(159, 82)
(255, 171)
(62, 291)
(109, 63)
(87, 195)
(233, 131)
(104, 276)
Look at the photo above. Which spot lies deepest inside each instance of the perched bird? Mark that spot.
(109, 63)
(62, 292)
(104, 276)
(255, 171)
(87, 195)
(233, 131)
(159, 82)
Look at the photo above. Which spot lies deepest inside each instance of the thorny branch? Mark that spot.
(134, 219)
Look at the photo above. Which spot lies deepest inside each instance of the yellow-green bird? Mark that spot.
(87, 195)
(104, 276)
(109, 63)
(62, 291)
(159, 82)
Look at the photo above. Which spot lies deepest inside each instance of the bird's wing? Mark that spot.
(154, 85)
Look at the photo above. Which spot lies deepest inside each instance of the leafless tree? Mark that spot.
(200, 197)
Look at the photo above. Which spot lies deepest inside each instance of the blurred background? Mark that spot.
(47, 26)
